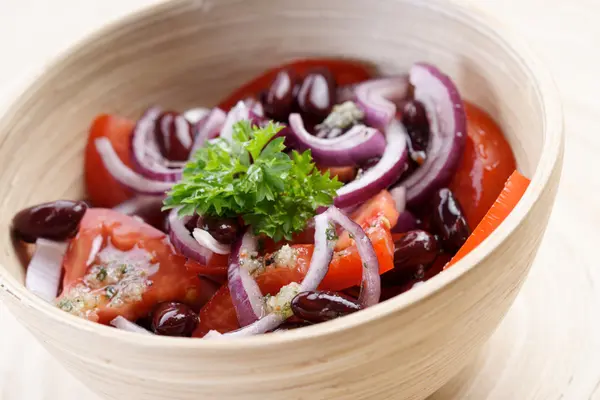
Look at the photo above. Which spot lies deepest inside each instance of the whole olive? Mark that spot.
(57, 220)
(448, 221)
(316, 96)
(174, 319)
(278, 101)
(413, 249)
(224, 230)
(320, 306)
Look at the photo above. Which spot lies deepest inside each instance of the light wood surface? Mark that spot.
(548, 344)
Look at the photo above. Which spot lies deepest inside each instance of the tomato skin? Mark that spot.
(218, 314)
(172, 281)
(102, 189)
(381, 207)
(345, 72)
(346, 268)
(487, 163)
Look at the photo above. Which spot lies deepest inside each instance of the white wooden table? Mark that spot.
(548, 347)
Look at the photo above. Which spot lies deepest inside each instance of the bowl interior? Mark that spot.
(189, 54)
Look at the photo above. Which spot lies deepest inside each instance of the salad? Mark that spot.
(314, 191)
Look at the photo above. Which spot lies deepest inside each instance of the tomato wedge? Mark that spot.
(487, 163)
(218, 314)
(504, 204)
(117, 265)
(345, 270)
(381, 207)
(102, 189)
(345, 72)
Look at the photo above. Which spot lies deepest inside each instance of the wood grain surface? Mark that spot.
(548, 347)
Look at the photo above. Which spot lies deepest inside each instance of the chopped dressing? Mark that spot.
(285, 257)
(280, 303)
(113, 279)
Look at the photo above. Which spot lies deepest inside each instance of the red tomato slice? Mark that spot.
(217, 266)
(504, 204)
(487, 163)
(381, 207)
(345, 270)
(218, 314)
(117, 265)
(102, 189)
(345, 72)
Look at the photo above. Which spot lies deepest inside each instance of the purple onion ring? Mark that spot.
(370, 287)
(183, 241)
(356, 146)
(448, 131)
(245, 293)
(387, 171)
(375, 97)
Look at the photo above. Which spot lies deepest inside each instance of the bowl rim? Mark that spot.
(551, 154)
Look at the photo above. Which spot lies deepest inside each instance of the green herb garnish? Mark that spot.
(65, 305)
(252, 177)
(331, 233)
(110, 292)
(101, 275)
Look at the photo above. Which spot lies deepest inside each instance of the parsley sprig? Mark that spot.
(276, 193)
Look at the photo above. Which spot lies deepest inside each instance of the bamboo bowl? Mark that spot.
(185, 54)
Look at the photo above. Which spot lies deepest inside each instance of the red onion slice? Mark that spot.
(238, 113)
(183, 241)
(385, 173)
(399, 197)
(208, 128)
(205, 239)
(45, 268)
(256, 108)
(447, 127)
(325, 239)
(319, 265)
(194, 115)
(359, 144)
(374, 97)
(146, 156)
(124, 324)
(245, 293)
(263, 325)
(406, 222)
(125, 175)
(370, 287)
(183, 131)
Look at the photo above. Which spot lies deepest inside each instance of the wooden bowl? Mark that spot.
(185, 54)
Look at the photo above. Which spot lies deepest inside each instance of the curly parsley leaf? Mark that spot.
(252, 177)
